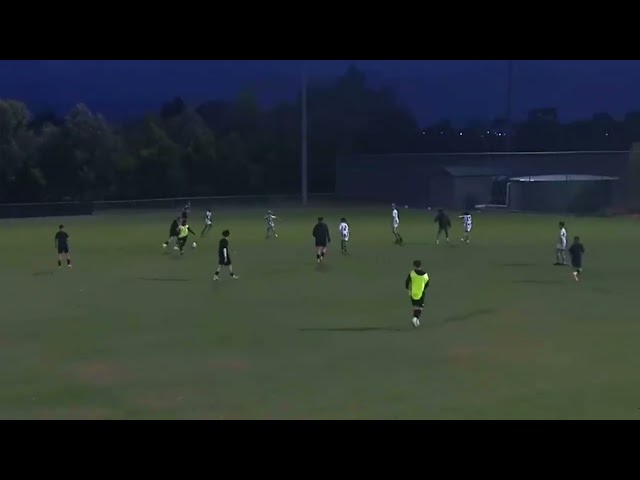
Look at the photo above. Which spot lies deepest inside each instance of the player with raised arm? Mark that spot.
(576, 251)
(174, 229)
(561, 246)
(61, 242)
(417, 283)
(186, 210)
(208, 224)
(271, 224)
(224, 257)
(395, 223)
(183, 236)
(322, 239)
(467, 225)
(444, 224)
(343, 228)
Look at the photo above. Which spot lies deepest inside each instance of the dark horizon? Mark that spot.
(433, 89)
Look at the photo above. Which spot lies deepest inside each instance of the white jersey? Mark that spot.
(467, 222)
(207, 217)
(562, 239)
(395, 218)
(269, 218)
(344, 231)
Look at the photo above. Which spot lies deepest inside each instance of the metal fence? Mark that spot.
(24, 210)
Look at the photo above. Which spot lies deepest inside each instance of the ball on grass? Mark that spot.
(194, 245)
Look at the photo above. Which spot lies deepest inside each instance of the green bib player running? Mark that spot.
(417, 283)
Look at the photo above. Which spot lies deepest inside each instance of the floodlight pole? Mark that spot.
(509, 102)
(303, 134)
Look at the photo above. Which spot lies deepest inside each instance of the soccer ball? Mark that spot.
(194, 245)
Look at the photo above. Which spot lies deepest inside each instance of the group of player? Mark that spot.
(416, 282)
(576, 251)
(179, 235)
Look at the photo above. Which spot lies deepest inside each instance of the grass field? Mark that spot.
(133, 332)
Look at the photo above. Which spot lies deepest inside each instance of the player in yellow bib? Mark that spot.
(183, 235)
(417, 283)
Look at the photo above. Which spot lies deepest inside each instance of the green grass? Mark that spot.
(133, 332)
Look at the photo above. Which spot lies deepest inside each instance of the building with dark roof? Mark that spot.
(460, 180)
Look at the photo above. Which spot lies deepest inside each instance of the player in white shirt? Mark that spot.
(208, 224)
(343, 228)
(561, 247)
(271, 225)
(467, 225)
(395, 223)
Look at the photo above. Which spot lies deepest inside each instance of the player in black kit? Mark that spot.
(61, 242)
(444, 224)
(185, 211)
(174, 229)
(323, 239)
(576, 251)
(224, 258)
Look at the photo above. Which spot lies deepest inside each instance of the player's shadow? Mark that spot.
(604, 291)
(42, 273)
(461, 317)
(355, 329)
(538, 282)
(158, 279)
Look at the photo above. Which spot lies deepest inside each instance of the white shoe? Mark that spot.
(164, 245)
(215, 277)
(416, 322)
(235, 276)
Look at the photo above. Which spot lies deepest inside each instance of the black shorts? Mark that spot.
(577, 265)
(63, 249)
(173, 233)
(225, 262)
(321, 243)
(443, 229)
(418, 303)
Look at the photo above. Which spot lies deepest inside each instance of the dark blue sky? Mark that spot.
(433, 89)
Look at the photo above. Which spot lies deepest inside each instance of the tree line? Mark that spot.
(238, 148)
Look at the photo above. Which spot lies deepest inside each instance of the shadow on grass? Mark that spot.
(43, 273)
(356, 329)
(158, 279)
(461, 317)
(539, 282)
(430, 243)
(604, 291)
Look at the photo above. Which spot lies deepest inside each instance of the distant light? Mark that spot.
(488, 132)
(424, 133)
(460, 133)
(441, 133)
(606, 134)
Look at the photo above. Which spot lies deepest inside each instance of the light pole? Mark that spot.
(303, 137)
(509, 102)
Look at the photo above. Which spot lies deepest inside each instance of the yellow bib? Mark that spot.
(418, 284)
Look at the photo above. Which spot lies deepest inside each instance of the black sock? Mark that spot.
(68, 261)
(322, 254)
(59, 263)
(416, 313)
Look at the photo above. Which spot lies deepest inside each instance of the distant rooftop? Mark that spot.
(561, 178)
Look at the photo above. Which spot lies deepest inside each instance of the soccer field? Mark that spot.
(135, 332)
